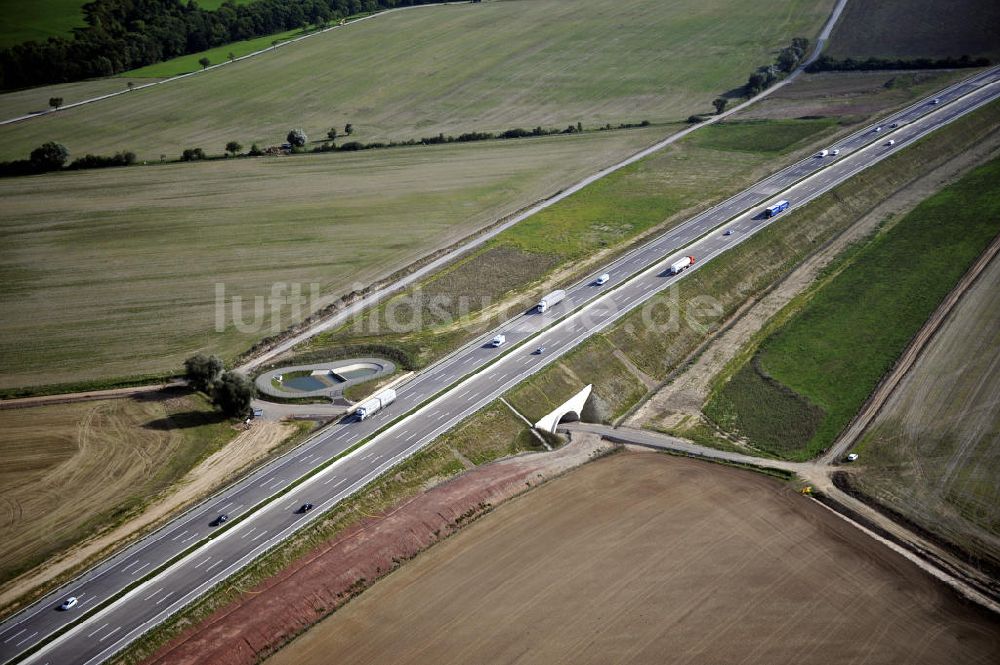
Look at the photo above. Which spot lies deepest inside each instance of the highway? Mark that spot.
(195, 556)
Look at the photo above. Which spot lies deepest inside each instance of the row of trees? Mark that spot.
(53, 156)
(125, 34)
(825, 63)
(788, 59)
(229, 391)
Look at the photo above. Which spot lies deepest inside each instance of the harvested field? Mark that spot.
(91, 254)
(69, 470)
(36, 100)
(931, 454)
(917, 29)
(547, 249)
(641, 555)
(451, 69)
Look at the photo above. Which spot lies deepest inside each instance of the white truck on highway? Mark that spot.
(683, 264)
(376, 402)
(550, 301)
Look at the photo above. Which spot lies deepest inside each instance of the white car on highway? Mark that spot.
(603, 279)
(68, 603)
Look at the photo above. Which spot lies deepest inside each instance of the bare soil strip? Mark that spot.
(318, 583)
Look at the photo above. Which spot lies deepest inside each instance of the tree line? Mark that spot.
(54, 156)
(825, 63)
(120, 35)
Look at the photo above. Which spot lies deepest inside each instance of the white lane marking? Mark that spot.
(342, 481)
(236, 508)
(164, 598)
(110, 634)
(260, 535)
(226, 506)
(98, 630)
(179, 535)
(279, 481)
(84, 602)
(140, 569)
(190, 538)
(134, 562)
(329, 480)
(26, 639)
(203, 562)
(14, 635)
(248, 532)
(154, 593)
(213, 565)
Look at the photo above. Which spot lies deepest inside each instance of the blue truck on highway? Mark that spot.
(778, 207)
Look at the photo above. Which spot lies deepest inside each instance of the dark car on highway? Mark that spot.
(305, 508)
(221, 519)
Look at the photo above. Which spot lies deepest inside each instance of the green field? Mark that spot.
(189, 63)
(114, 272)
(450, 69)
(834, 351)
(37, 20)
(917, 29)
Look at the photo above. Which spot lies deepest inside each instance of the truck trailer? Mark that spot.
(376, 402)
(681, 265)
(550, 301)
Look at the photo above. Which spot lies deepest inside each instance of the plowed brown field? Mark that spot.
(643, 558)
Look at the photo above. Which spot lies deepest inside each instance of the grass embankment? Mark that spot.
(931, 453)
(190, 63)
(917, 29)
(507, 274)
(659, 337)
(82, 262)
(72, 470)
(491, 433)
(451, 69)
(833, 352)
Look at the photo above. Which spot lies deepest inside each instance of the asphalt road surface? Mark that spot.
(190, 556)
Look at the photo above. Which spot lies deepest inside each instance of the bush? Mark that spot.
(202, 371)
(126, 158)
(49, 156)
(297, 138)
(192, 154)
(232, 394)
